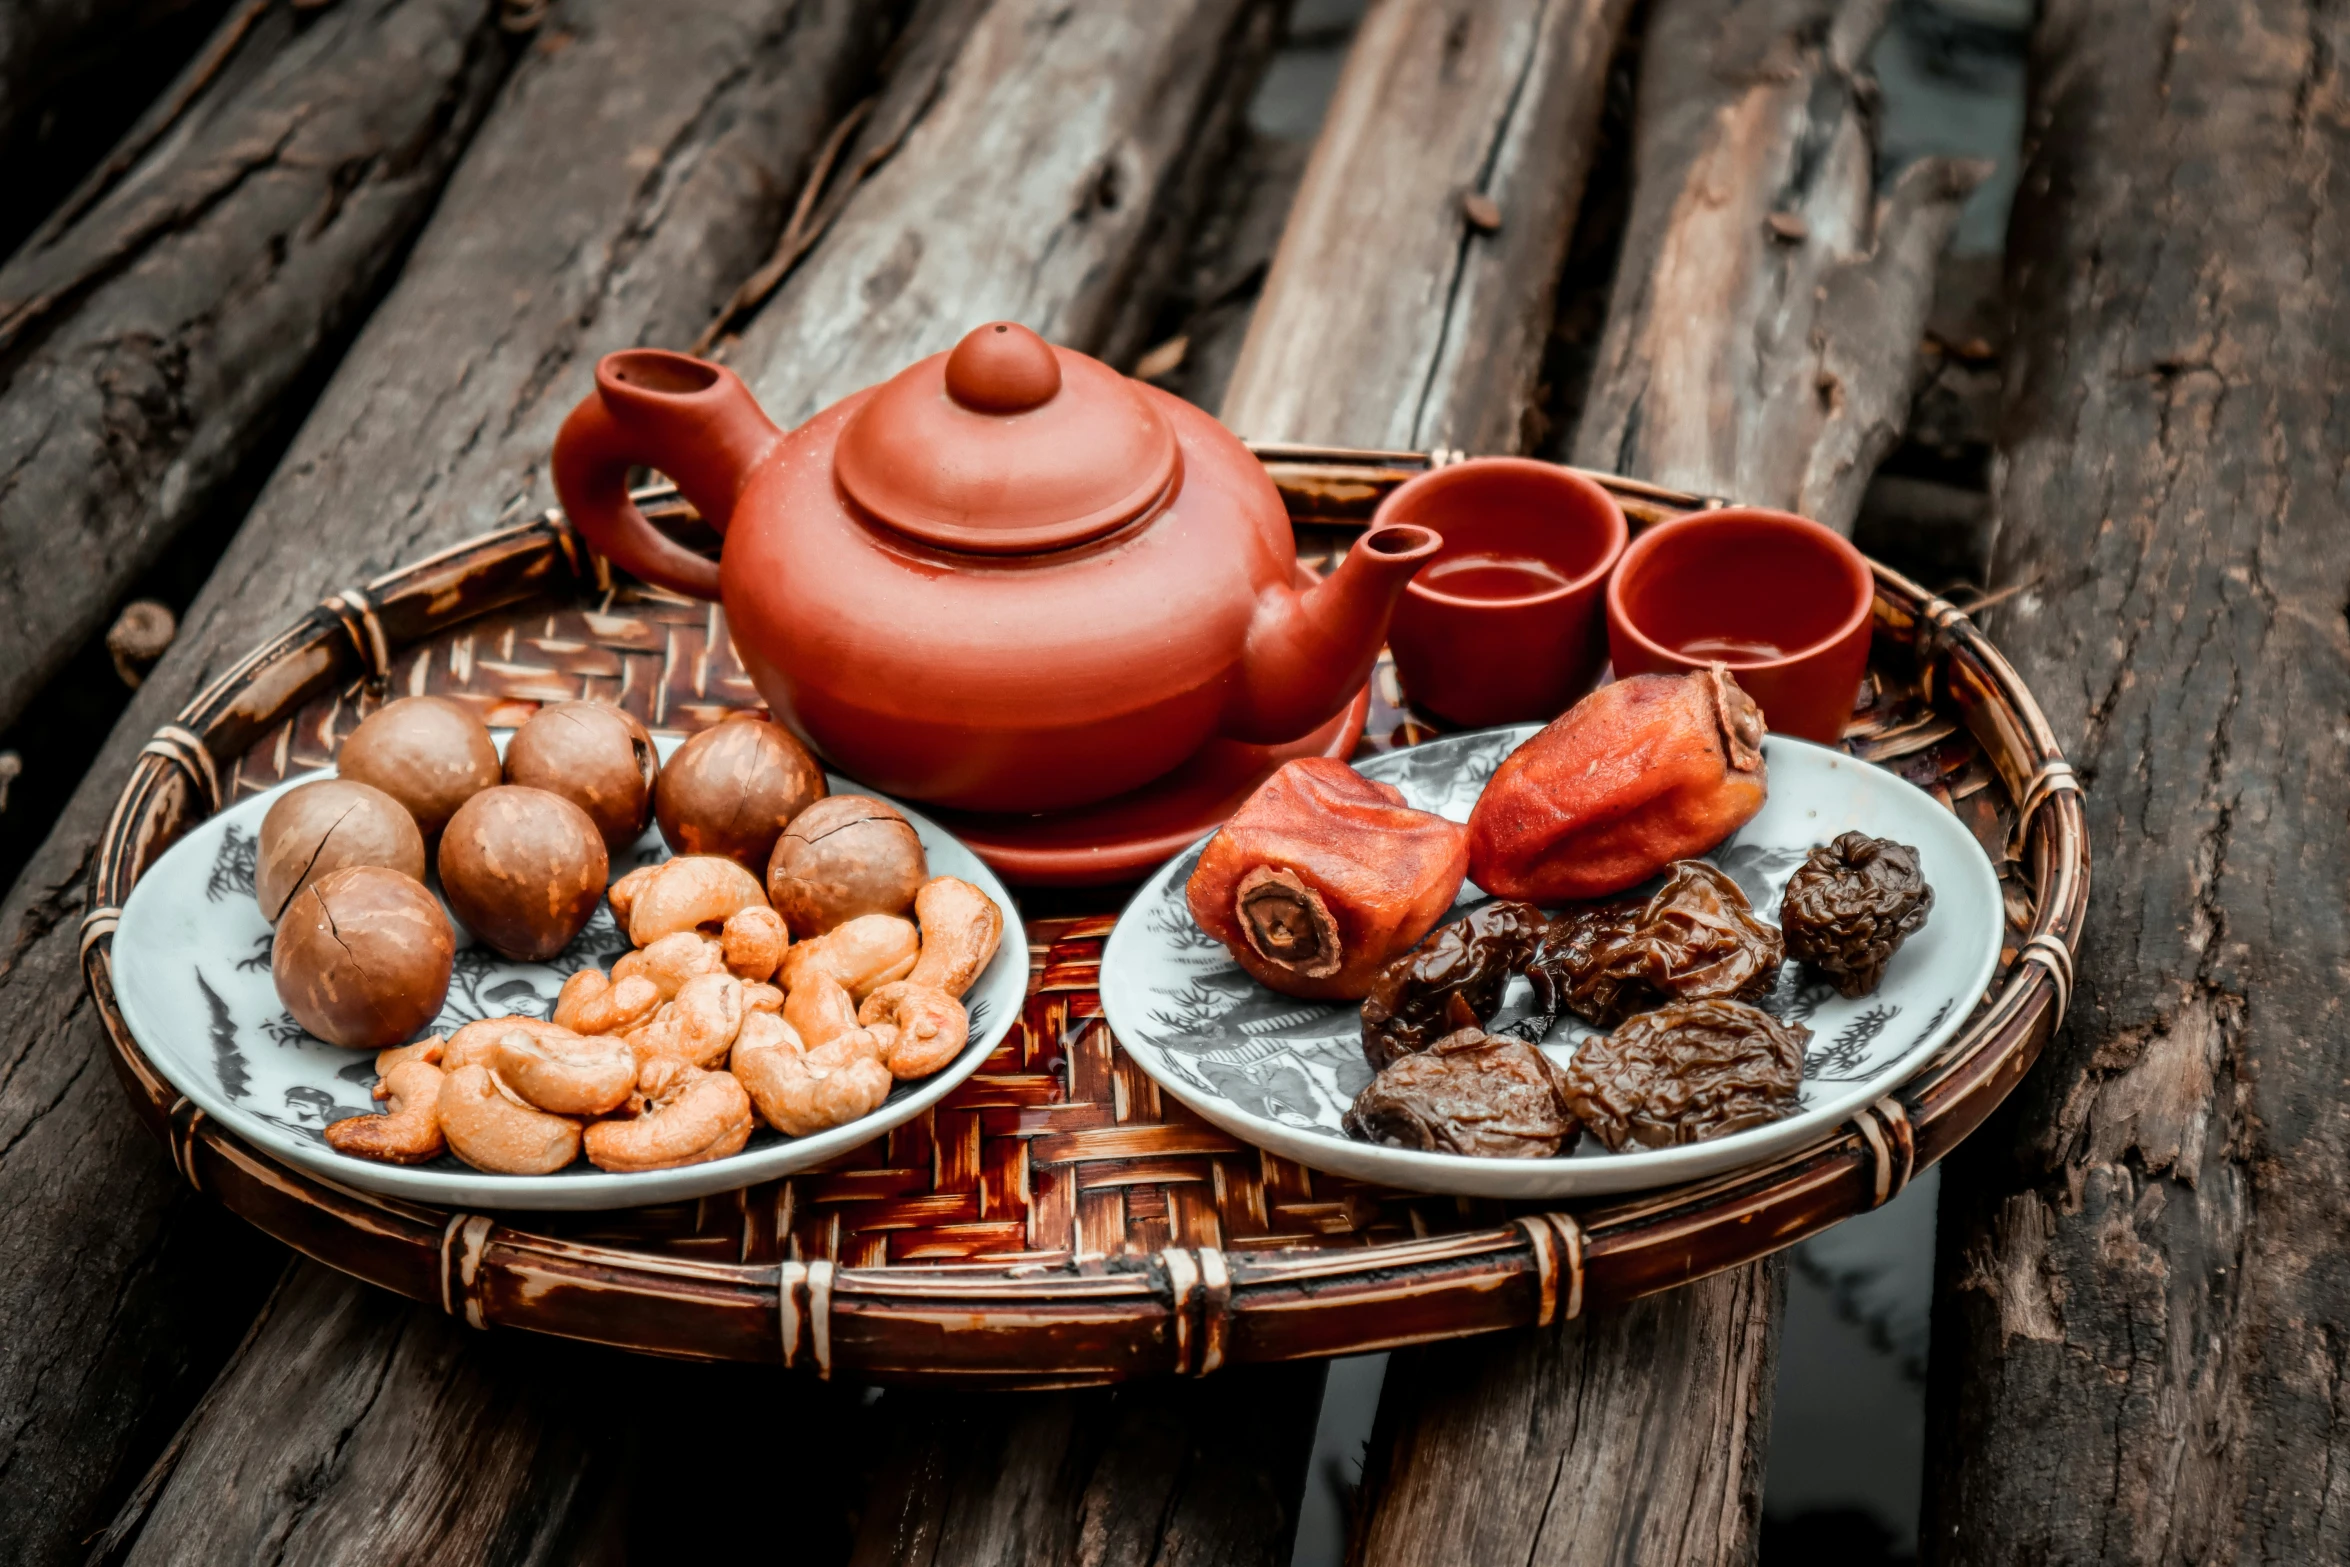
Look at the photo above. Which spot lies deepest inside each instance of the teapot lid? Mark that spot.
(1007, 446)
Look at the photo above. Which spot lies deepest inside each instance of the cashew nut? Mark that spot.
(863, 954)
(960, 928)
(761, 998)
(697, 1028)
(753, 941)
(578, 1076)
(819, 1010)
(920, 1028)
(426, 1049)
(491, 1129)
(477, 1043)
(411, 1132)
(671, 961)
(622, 893)
(686, 1116)
(691, 890)
(593, 1004)
(801, 1092)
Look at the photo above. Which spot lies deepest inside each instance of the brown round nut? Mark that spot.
(731, 789)
(324, 826)
(594, 755)
(362, 957)
(842, 857)
(523, 869)
(427, 752)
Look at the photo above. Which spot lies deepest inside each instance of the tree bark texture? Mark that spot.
(2144, 1327)
(354, 1428)
(151, 333)
(1761, 337)
(1042, 179)
(638, 157)
(1633, 1438)
(1157, 1474)
(1410, 300)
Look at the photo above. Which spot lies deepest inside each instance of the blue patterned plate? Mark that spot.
(191, 970)
(1280, 1072)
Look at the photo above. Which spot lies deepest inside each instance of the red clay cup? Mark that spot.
(1503, 624)
(1785, 602)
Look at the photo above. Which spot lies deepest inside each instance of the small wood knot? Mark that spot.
(1788, 227)
(1482, 212)
(11, 768)
(138, 637)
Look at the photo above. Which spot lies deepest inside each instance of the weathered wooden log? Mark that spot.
(1626, 1449)
(1408, 305)
(151, 330)
(1635, 1438)
(1157, 1472)
(2139, 1340)
(637, 161)
(1762, 278)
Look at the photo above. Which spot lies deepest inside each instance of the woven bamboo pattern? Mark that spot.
(1069, 1222)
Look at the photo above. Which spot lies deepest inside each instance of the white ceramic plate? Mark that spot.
(191, 971)
(1281, 1072)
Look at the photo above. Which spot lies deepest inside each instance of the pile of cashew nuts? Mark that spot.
(716, 1019)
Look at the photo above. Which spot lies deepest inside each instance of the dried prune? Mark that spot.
(1851, 906)
(1695, 939)
(1685, 1073)
(1469, 961)
(1636, 775)
(1472, 1093)
(1322, 877)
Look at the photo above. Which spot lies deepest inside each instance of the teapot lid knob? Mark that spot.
(1002, 368)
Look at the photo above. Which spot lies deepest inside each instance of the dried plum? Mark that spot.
(1469, 1093)
(1851, 906)
(1472, 958)
(1685, 1073)
(1696, 939)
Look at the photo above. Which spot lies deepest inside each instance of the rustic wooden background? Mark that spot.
(335, 270)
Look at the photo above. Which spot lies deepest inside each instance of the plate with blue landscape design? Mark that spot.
(191, 970)
(1280, 1072)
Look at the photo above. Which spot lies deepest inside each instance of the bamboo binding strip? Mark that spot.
(1054, 1221)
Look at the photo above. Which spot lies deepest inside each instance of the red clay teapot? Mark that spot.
(1007, 579)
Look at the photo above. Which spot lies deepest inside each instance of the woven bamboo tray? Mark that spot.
(1055, 1221)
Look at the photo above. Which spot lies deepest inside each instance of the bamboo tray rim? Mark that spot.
(1180, 1309)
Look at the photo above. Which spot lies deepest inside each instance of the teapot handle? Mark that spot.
(692, 420)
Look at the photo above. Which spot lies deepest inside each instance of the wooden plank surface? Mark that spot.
(1411, 297)
(154, 330)
(1638, 1435)
(1761, 332)
(2140, 1337)
(637, 159)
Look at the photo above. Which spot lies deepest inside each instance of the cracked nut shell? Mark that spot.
(1851, 905)
(846, 855)
(362, 957)
(321, 827)
(524, 869)
(597, 757)
(427, 752)
(733, 788)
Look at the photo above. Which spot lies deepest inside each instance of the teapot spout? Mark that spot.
(1309, 651)
(692, 420)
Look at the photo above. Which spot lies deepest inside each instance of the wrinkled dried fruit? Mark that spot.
(1635, 776)
(1492, 1096)
(1322, 877)
(1685, 1073)
(1851, 906)
(1413, 999)
(1696, 939)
